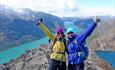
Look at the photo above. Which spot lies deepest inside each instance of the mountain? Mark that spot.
(37, 59)
(80, 21)
(18, 26)
(105, 35)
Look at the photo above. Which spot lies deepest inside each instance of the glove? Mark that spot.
(97, 19)
(39, 22)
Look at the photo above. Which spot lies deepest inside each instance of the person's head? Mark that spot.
(60, 32)
(70, 32)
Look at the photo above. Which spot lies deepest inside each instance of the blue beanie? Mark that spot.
(70, 30)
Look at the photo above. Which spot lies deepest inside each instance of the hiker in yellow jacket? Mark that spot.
(57, 57)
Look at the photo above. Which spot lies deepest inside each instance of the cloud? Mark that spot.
(49, 6)
(40, 4)
(61, 7)
(91, 11)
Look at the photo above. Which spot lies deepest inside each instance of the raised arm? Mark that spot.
(45, 30)
(87, 32)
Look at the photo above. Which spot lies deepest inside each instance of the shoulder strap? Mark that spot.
(83, 49)
(53, 43)
(65, 44)
(79, 45)
(64, 50)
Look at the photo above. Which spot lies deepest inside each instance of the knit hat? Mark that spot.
(59, 30)
(70, 30)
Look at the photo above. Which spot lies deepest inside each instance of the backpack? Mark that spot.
(53, 43)
(84, 49)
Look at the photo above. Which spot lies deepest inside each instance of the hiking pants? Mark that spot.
(54, 65)
(76, 66)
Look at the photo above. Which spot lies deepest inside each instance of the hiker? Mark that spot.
(77, 51)
(57, 57)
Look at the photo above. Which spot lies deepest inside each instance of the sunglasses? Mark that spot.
(70, 33)
(60, 33)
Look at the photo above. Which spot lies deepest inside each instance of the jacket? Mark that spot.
(58, 46)
(73, 48)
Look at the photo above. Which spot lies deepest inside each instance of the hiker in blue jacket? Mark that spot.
(77, 52)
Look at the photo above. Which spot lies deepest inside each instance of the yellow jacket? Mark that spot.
(58, 46)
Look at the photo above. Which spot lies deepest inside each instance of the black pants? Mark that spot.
(54, 65)
(76, 66)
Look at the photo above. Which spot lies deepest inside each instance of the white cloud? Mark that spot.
(71, 4)
(59, 7)
(36, 4)
(91, 11)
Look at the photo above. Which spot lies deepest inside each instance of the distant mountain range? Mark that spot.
(18, 26)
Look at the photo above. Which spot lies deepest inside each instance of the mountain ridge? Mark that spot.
(18, 28)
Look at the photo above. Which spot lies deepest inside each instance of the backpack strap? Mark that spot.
(53, 44)
(81, 48)
(65, 44)
(52, 47)
(76, 41)
(64, 41)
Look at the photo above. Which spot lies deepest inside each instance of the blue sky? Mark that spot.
(97, 3)
(63, 8)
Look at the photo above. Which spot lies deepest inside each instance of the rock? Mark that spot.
(39, 61)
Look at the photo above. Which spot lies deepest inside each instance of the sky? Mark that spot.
(66, 8)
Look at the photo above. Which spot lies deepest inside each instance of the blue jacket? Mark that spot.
(73, 47)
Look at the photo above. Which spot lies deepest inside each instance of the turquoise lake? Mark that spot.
(15, 52)
(108, 56)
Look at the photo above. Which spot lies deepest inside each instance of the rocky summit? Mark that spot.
(37, 59)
